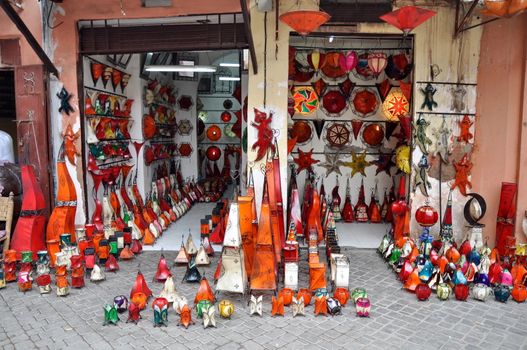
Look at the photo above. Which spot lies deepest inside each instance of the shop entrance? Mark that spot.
(162, 129)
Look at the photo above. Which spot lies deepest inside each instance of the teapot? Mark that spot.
(480, 291)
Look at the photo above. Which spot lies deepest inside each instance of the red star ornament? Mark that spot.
(305, 160)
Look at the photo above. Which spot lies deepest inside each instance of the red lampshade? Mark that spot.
(304, 21)
(407, 18)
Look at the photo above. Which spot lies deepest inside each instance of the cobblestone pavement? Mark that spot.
(397, 319)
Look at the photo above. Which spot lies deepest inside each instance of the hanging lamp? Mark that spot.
(407, 18)
(304, 21)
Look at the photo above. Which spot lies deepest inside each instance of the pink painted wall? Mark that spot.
(500, 105)
(31, 17)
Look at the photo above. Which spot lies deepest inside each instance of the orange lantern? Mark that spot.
(214, 133)
(407, 18)
(304, 21)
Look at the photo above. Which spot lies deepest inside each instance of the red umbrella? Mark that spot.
(407, 18)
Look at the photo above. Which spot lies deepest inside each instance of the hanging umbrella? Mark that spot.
(407, 18)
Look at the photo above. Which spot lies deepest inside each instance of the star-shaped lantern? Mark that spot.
(384, 163)
(358, 164)
(332, 163)
(305, 160)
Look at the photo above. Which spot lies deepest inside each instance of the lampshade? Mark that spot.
(304, 21)
(407, 18)
(504, 8)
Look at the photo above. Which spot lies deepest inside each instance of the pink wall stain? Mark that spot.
(501, 94)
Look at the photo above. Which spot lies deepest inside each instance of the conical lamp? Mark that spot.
(304, 21)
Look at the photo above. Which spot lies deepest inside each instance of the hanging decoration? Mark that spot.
(463, 168)
(69, 143)
(377, 62)
(358, 164)
(503, 8)
(384, 164)
(265, 134)
(362, 70)
(319, 126)
(214, 133)
(421, 138)
(398, 67)
(185, 149)
(441, 143)
(213, 153)
(337, 135)
(306, 100)
(185, 127)
(334, 103)
(395, 104)
(402, 158)
(304, 21)
(428, 92)
(406, 89)
(421, 176)
(458, 99)
(348, 61)
(96, 70)
(305, 161)
(383, 88)
(373, 134)
(346, 87)
(356, 125)
(332, 163)
(331, 68)
(149, 126)
(319, 87)
(106, 75)
(185, 102)
(390, 128)
(302, 131)
(464, 129)
(225, 116)
(65, 97)
(124, 81)
(365, 102)
(227, 104)
(407, 18)
(316, 59)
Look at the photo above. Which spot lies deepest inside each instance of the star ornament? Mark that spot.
(358, 164)
(332, 164)
(384, 163)
(305, 160)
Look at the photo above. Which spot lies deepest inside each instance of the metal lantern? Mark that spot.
(426, 216)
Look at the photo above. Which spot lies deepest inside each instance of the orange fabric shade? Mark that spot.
(407, 18)
(304, 21)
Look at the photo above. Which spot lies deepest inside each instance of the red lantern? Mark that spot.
(407, 18)
(426, 216)
(226, 117)
(377, 62)
(461, 292)
(452, 254)
(342, 295)
(304, 21)
(214, 133)
(423, 291)
(213, 153)
(495, 271)
(399, 207)
(465, 248)
(406, 271)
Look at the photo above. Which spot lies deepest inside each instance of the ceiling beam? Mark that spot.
(249, 34)
(19, 23)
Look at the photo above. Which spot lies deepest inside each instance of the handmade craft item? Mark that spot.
(337, 135)
(140, 292)
(420, 135)
(421, 176)
(362, 70)
(65, 97)
(277, 306)
(373, 134)
(264, 135)
(356, 125)
(395, 104)
(208, 317)
(332, 163)
(185, 102)
(364, 102)
(256, 306)
(464, 129)
(334, 103)
(301, 130)
(306, 99)
(110, 315)
(305, 161)
(398, 67)
(331, 67)
(358, 164)
(377, 62)
(214, 133)
(402, 158)
(428, 92)
(348, 60)
(321, 306)
(363, 307)
(407, 18)
(185, 318)
(463, 168)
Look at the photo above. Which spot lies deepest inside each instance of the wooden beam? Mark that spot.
(249, 34)
(19, 23)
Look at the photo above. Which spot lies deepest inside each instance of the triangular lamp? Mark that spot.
(407, 18)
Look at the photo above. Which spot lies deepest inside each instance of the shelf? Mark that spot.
(345, 120)
(113, 140)
(93, 116)
(105, 92)
(220, 110)
(219, 143)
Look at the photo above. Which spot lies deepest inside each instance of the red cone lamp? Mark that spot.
(407, 18)
(304, 21)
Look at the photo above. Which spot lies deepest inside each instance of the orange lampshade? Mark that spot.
(305, 21)
(407, 18)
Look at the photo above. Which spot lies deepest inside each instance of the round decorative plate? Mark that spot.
(364, 102)
(302, 131)
(227, 104)
(305, 99)
(373, 134)
(185, 149)
(213, 153)
(337, 135)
